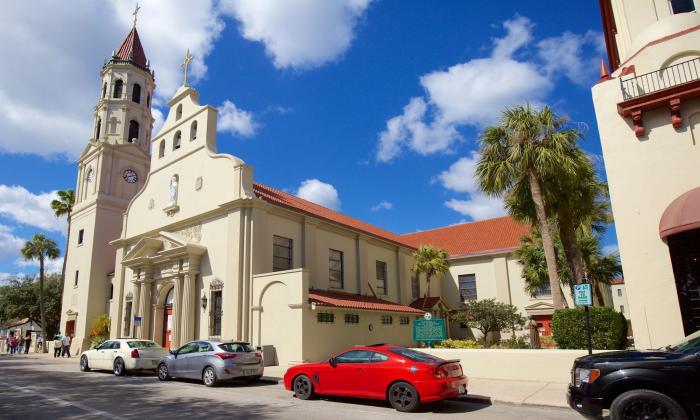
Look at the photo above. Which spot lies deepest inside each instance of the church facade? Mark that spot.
(176, 242)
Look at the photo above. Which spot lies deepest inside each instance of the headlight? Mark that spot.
(585, 376)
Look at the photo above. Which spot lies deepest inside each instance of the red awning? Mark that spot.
(349, 301)
(681, 215)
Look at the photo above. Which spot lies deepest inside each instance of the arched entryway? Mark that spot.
(168, 320)
(680, 228)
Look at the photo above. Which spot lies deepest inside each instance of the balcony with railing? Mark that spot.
(666, 87)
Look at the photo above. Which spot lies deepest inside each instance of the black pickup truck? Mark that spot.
(653, 384)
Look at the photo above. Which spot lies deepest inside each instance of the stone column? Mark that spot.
(158, 322)
(187, 314)
(177, 310)
(145, 307)
(135, 309)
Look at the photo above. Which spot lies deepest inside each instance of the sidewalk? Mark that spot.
(547, 394)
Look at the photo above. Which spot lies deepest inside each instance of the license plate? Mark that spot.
(249, 372)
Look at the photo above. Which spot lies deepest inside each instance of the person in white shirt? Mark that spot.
(66, 346)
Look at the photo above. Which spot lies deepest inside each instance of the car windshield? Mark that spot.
(416, 356)
(236, 347)
(141, 344)
(690, 344)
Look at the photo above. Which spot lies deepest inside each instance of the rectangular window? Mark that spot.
(544, 291)
(75, 282)
(215, 313)
(415, 286)
(325, 317)
(619, 292)
(111, 291)
(404, 320)
(81, 234)
(281, 253)
(381, 277)
(467, 286)
(682, 6)
(622, 309)
(352, 319)
(387, 320)
(335, 268)
(127, 319)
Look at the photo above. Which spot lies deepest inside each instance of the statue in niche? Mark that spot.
(172, 200)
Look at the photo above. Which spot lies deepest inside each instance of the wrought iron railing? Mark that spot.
(664, 78)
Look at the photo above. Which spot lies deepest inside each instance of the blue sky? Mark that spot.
(370, 107)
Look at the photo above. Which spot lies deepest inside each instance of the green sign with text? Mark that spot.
(582, 294)
(429, 330)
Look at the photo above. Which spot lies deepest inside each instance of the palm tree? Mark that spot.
(527, 147)
(64, 207)
(431, 261)
(41, 247)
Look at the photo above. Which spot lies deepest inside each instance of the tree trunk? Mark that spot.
(41, 303)
(547, 242)
(427, 289)
(65, 258)
(572, 251)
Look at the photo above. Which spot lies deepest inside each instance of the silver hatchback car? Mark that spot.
(212, 361)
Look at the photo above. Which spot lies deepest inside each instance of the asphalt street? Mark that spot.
(38, 388)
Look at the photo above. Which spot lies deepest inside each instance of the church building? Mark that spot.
(177, 242)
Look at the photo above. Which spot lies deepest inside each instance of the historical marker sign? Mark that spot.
(582, 294)
(429, 330)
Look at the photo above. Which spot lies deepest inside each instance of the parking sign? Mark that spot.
(582, 294)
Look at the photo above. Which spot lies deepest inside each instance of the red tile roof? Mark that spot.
(350, 301)
(499, 234)
(131, 49)
(293, 202)
(429, 303)
(617, 281)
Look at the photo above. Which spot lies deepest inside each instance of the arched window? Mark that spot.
(133, 132)
(98, 127)
(136, 93)
(178, 112)
(104, 90)
(118, 87)
(177, 141)
(193, 131)
(161, 149)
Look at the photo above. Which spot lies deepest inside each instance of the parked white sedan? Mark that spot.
(122, 355)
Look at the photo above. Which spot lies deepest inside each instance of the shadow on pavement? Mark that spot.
(448, 406)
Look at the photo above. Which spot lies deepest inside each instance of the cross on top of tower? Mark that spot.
(136, 12)
(185, 64)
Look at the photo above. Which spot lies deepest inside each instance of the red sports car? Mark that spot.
(404, 377)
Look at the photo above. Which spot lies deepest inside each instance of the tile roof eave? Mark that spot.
(498, 251)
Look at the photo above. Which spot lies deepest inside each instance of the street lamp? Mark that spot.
(204, 301)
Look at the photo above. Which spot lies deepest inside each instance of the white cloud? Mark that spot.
(22, 206)
(461, 178)
(10, 244)
(567, 54)
(382, 205)
(320, 193)
(478, 206)
(235, 121)
(299, 34)
(50, 266)
(611, 248)
(49, 113)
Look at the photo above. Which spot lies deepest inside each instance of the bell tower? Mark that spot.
(111, 170)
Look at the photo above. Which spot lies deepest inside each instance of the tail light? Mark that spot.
(135, 353)
(224, 356)
(258, 355)
(439, 372)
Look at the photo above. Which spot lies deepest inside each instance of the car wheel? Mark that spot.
(119, 368)
(209, 376)
(163, 373)
(403, 397)
(645, 404)
(84, 367)
(303, 388)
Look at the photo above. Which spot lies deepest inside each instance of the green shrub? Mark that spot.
(608, 329)
(458, 344)
(97, 340)
(521, 342)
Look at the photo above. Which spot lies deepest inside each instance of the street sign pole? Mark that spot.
(588, 329)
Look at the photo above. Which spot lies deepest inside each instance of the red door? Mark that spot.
(168, 328)
(70, 328)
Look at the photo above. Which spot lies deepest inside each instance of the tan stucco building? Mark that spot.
(648, 113)
(177, 242)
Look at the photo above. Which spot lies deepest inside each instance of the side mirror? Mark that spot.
(332, 362)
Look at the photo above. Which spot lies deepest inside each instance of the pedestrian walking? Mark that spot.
(13, 344)
(39, 344)
(20, 343)
(57, 345)
(27, 342)
(66, 345)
